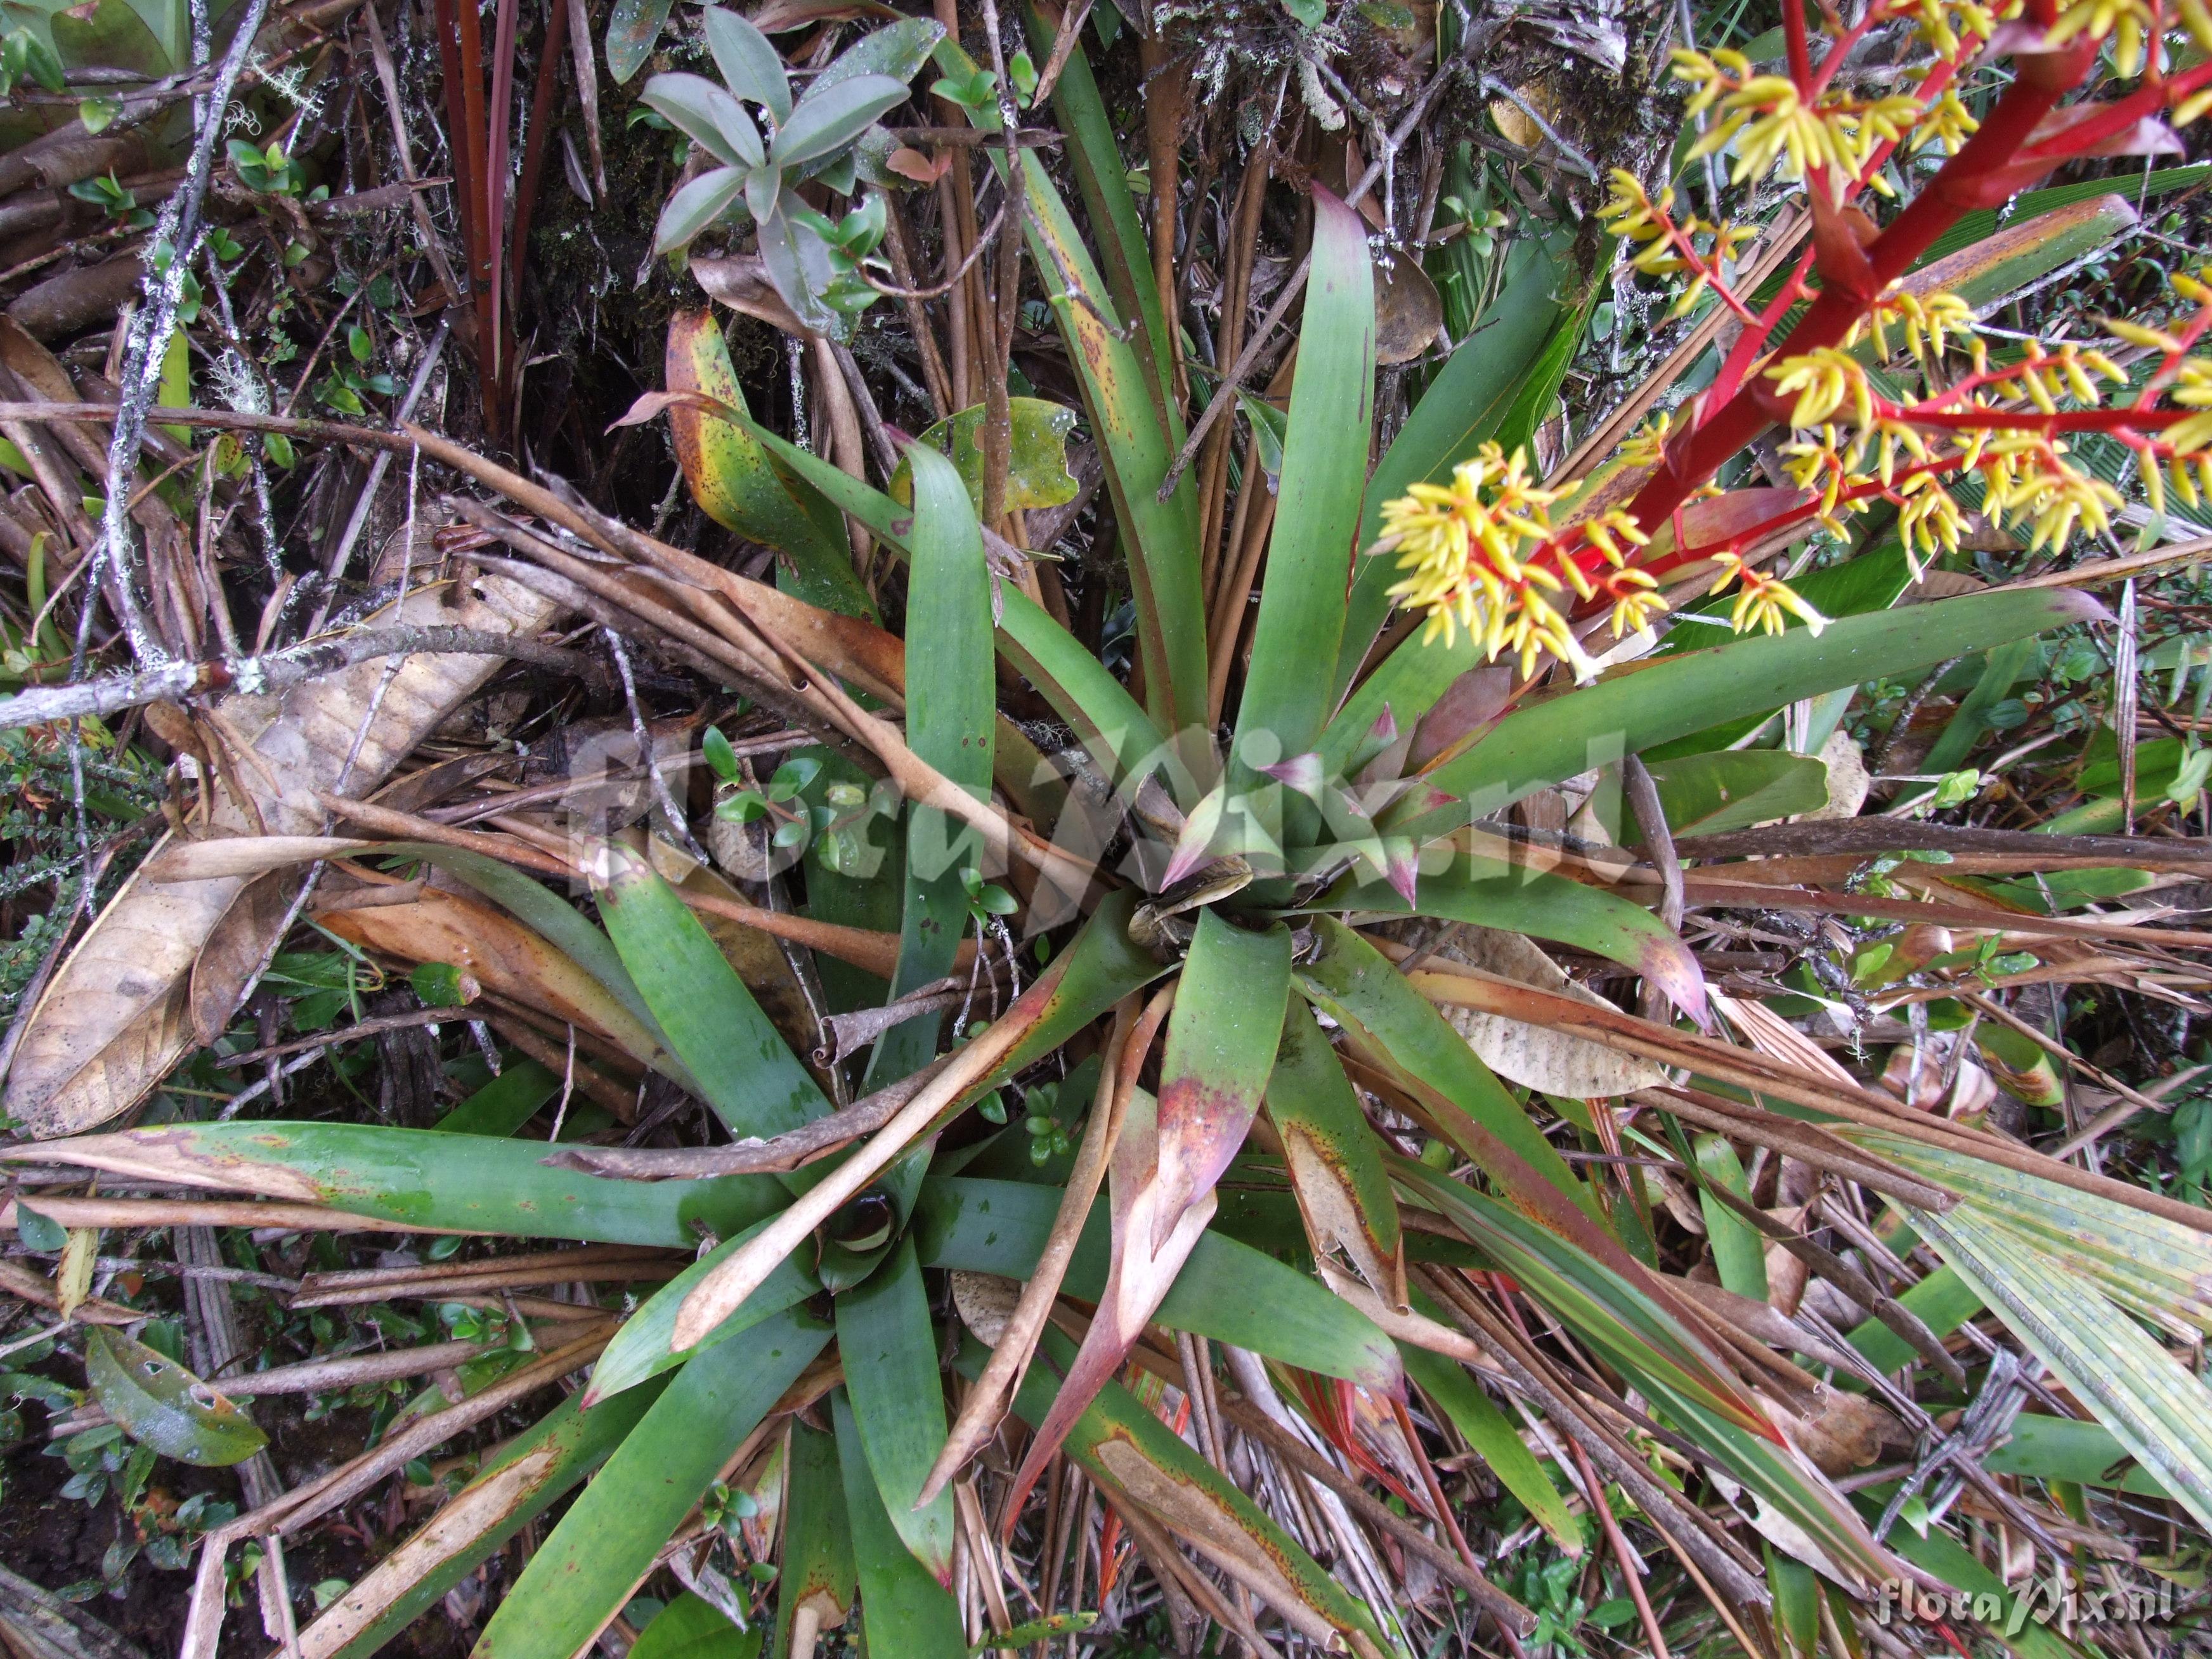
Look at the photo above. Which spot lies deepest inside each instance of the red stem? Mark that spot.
(2044, 79)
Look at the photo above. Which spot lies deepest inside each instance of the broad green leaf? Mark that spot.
(1082, 692)
(2160, 1269)
(745, 58)
(1733, 788)
(516, 1483)
(1873, 580)
(2159, 1411)
(694, 206)
(420, 1179)
(1972, 228)
(1120, 1442)
(1227, 1291)
(2013, 1619)
(816, 1566)
(632, 33)
(690, 1627)
(1942, 1302)
(1739, 1251)
(1392, 1026)
(1101, 179)
(1221, 1043)
(745, 1071)
(951, 696)
(1121, 735)
(904, 1610)
(2067, 1449)
(1633, 711)
(834, 116)
(1036, 463)
(731, 475)
(611, 1535)
(644, 1346)
(889, 1352)
(1492, 893)
(707, 115)
(1464, 405)
(158, 1403)
(1162, 536)
(176, 388)
(1403, 688)
(898, 50)
(504, 1104)
(1492, 1434)
(1613, 1304)
(1332, 1158)
(1797, 1604)
(1324, 471)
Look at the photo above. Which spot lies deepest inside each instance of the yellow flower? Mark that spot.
(1824, 379)
(1635, 600)
(1946, 122)
(2130, 19)
(1930, 520)
(2028, 477)
(1764, 600)
(1929, 320)
(1648, 447)
(1942, 23)
(1470, 547)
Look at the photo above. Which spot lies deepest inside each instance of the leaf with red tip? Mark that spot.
(1195, 846)
(1300, 772)
(1401, 866)
(1221, 1047)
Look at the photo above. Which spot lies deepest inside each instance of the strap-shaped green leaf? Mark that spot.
(419, 1178)
(889, 1352)
(1491, 893)
(1227, 1290)
(1393, 1026)
(1301, 610)
(951, 699)
(1332, 1158)
(903, 1609)
(611, 1535)
(816, 1564)
(1630, 712)
(745, 1071)
(2155, 1405)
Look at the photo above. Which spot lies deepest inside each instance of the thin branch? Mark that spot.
(275, 671)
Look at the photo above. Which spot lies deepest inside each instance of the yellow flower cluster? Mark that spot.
(1482, 555)
(1659, 237)
(2187, 445)
(1764, 602)
(2042, 376)
(1930, 321)
(1768, 120)
(1952, 27)
(2027, 477)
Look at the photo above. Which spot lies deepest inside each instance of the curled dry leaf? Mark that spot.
(514, 964)
(119, 1014)
(1548, 1060)
(984, 1302)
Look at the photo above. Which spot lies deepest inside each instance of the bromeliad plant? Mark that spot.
(1228, 985)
